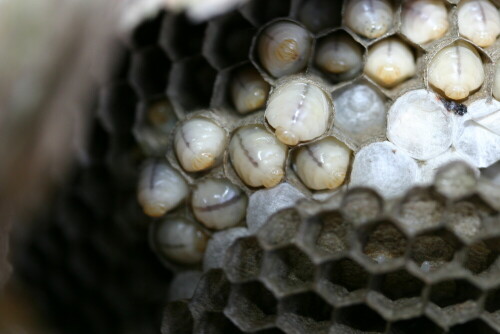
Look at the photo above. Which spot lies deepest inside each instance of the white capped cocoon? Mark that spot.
(339, 54)
(199, 143)
(456, 70)
(369, 18)
(161, 188)
(496, 83)
(360, 113)
(248, 90)
(479, 21)
(323, 164)
(419, 124)
(180, 240)
(390, 62)
(283, 48)
(385, 168)
(218, 203)
(429, 168)
(257, 156)
(423, 21)
(298, 111)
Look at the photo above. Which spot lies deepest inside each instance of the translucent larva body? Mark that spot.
(390, 62)
(218, 203)
(369, 18)
(298, 111)
(456, 70)
(257, 156)
(339, 54)
(180, 240)
(248, 90)
(161, 188)
(479, 21)
(283, 48)
(423, 21)
(323, 164)
(199, 143)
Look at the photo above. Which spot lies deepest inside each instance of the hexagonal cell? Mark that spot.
(211, 294)
(261, 11)
(318, 15)
(287, 270)
(243, 260)
(251, 306)
(421, 209)
(117, 107)
(149, 71)
(191, 83)
(455, 180)
(173, 34)
(361, 205)
(177, 318)
(215, 323)
(304, 313)
(280, 229)
(342, 280)
(464, 219)
(228, 40)
(492, 303)
(360, 317)
(483, 257)
(474, 326)
(147, 32)
(452, 292)
(416, 326)
(399, 285)
(383, 241)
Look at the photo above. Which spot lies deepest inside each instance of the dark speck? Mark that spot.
(455, 107)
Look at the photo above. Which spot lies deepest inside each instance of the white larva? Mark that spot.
(298, 111)
(160, 189)
(323, 164)
(423, 21)
(456, 70)
(390, 62)
(180, 240)
(218, 203)
(199, 143)
(339, 54)
(248, 90)
(283, 48)
(479, 21)
(257, 156)
(369, 18)
(496, 83)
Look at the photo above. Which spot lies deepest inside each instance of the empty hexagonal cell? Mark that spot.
(474, 326)
(280, 229)
(149, 71)
(228, 40)
(177, 318)
(318, 15)
(360, 317)
(421, 209)
(418, 325)
(243, 260)
(483, 257)
(464, 219)
(190, 83)
(304, 313)
(211, 293)
(251, 306)
(147, 32)
(399, 284)
(287, 270)
(117, 107)
(383, 242)
(173, 39)
(453, 292)
(361, 205)
(215, 323)
(261, 11)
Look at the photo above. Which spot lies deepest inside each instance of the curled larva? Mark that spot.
(390, 62)
(456, 70)
(479, 21)
(370, 18)
(339, 54)
(423, 21)
(283, 48)
(248, 90)
(218, 203)
(257, 156)
(199, 143)
(496, 84)
(180, 240)
(298, 111)
(161, 188)
(323, 164)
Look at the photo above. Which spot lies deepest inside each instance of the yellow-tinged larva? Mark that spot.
(456, 70)
(339, 54)
(248, 90)
(479, 21)
(298, 111)
(283, 48)
(218, 203)
(180, 240)
(199, 143)
(390, 62)
(423, 21)
(369, 18)
(160, 189)
(257, 156)
(496, 84)
(323, 164)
